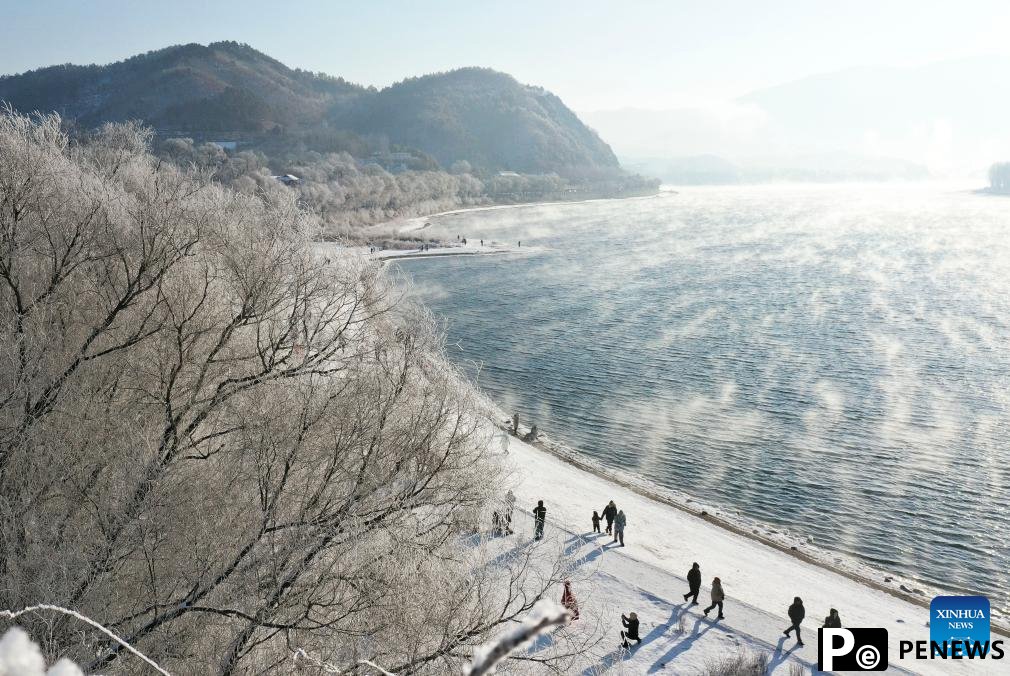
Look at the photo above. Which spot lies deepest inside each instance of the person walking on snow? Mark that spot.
(596, 522)
(510, 505)
(693, 583)
(630, 632)
(796, 614)
(718, 596)
(833, 621)
(619, 523)
(539, 516)
(609, 512)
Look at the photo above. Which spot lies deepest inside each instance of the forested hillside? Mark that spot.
(476, 115)
(221, 87)
(427, 144)
(484, 117)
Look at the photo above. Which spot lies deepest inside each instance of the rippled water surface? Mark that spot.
(834, 360)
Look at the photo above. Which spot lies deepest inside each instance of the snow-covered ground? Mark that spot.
(415, 223)
(648, 576)
(471, 248)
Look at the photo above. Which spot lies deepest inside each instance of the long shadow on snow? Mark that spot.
(576, 541)
(579, 539)
(657, 631)
(683, 645)
(607, 662)
(780, 655)
(510, 554)
(542, 641)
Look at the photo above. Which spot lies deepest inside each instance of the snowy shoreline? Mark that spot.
(806, 551)
(416, 223)
(469, 249)
(760, 572)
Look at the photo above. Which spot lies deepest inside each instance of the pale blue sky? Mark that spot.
(595, 55)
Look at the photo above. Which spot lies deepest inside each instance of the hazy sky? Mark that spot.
(595, 55)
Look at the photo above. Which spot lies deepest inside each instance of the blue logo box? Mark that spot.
(958, 618)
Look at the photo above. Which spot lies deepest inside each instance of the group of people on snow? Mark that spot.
(694, 589)
(615, 518)
(616, 521)
(615, 524)
(796, 611)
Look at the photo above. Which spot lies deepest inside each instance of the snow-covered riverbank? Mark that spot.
(416, 223)
(446, 249)
(648, 576)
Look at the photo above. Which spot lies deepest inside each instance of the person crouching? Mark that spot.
(630, 632)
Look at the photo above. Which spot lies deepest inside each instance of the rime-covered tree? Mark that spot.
(228, 450)
(999, 177)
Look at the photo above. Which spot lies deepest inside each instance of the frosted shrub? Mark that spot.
(741, 664)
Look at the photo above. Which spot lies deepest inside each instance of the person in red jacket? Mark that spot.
(568, 600)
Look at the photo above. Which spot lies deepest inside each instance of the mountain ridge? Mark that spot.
(477, 115)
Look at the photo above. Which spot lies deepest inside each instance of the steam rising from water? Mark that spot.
(830, 359)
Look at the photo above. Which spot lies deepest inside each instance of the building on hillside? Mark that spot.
(393, 162)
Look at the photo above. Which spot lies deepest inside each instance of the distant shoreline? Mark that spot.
(415, 220)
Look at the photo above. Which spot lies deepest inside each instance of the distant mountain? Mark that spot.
(823, 168)
(949, 117)
(477, 115)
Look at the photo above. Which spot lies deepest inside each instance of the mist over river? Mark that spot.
(833, 360)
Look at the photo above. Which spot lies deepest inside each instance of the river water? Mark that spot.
(831, 360)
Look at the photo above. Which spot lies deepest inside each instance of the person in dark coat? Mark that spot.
(694, 583)
(539, 516)
(796, 614)
(596, 522)
(718, 596)
(833, 621)
(630, 632)
(619, 523)
(610, 513)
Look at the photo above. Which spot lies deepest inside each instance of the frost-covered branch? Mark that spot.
(545, 614)
(14, 614)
